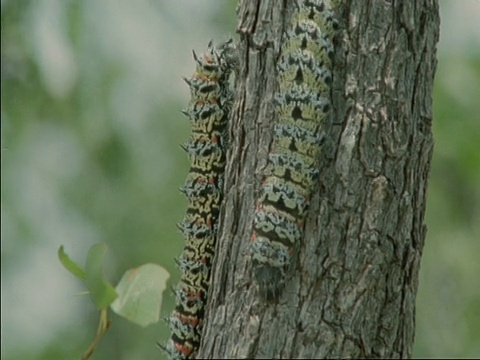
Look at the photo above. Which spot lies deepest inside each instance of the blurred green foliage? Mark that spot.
(90, 133)
(91, 127)
(448, 301)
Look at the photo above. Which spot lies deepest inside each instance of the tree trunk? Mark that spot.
(354, 281)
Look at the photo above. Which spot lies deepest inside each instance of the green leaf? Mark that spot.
(101, 292)
(140, 294)
(70, 265)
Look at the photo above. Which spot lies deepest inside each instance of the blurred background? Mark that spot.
(90, 128)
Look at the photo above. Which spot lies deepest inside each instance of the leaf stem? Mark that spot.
(103, 326)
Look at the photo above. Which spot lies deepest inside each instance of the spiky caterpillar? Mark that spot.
(302, 106)
(208, 112)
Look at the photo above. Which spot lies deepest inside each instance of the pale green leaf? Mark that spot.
(140, 294)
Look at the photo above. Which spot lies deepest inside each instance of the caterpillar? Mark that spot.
(302, 109)
(208, 112)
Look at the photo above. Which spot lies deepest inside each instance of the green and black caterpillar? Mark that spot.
(302, 109)
(208, 111)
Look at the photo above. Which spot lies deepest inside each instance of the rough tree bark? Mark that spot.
(353, 288)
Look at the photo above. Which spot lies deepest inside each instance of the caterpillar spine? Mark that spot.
(302, 108)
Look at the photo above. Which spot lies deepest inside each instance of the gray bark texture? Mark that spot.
(351, 292)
